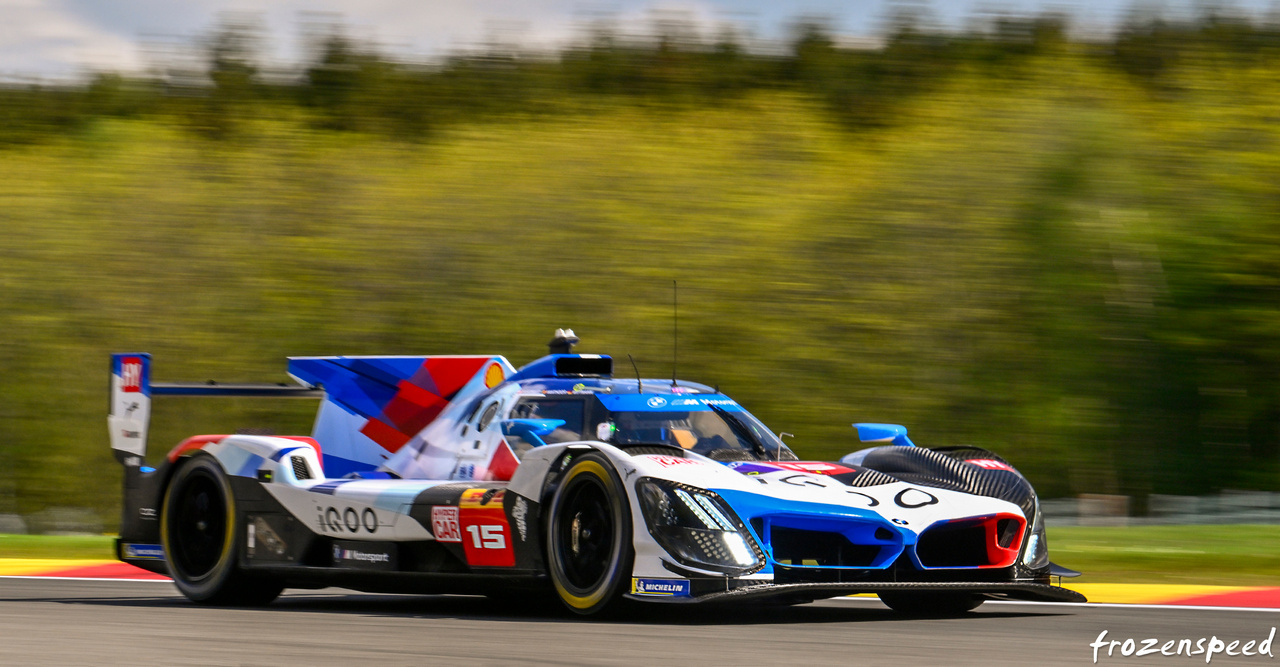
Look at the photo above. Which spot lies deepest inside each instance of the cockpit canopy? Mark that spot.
(710, 424)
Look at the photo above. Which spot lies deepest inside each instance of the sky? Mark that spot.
(65, 39)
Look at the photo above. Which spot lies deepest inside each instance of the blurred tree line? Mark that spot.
(1065, 250)
(351, 85)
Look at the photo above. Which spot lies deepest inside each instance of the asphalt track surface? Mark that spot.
(66, 622)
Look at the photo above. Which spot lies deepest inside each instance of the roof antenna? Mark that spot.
(675, 328)
(639, 382)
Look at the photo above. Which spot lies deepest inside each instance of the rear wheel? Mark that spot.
(931, 604)
(589, 552)
(200, 537)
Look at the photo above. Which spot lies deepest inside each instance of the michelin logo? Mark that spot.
(663, 587)
(149, 551)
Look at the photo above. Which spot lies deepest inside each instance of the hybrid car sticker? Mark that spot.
(444, 523)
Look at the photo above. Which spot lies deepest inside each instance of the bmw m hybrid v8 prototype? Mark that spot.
(464, 474)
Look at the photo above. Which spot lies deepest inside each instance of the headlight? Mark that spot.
(697, 527)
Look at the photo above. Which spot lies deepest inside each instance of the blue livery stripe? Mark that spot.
(329, 487)
(337, 466)
(280, 454)
(249, 468)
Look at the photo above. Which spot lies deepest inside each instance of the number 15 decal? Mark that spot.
(487, 537)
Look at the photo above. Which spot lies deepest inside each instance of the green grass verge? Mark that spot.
(58, 546)
(1224, 555)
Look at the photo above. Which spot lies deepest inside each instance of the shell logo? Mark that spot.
(494, 376)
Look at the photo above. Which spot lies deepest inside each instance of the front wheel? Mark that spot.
(589, 551)
(199, 533)
(931, 604)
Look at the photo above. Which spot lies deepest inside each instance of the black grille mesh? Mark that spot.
(963, 545)
(300, 468)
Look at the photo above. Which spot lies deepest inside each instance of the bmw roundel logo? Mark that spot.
(657, 402)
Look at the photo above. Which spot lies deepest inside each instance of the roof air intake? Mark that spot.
(584, 366)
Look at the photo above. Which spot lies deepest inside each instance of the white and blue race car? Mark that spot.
(463, 474)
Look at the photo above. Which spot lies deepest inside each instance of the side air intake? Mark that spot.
(799, 547)
(300, 468)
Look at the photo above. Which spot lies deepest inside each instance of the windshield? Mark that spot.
(715, 433)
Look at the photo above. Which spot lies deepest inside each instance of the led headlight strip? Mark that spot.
(697, 528)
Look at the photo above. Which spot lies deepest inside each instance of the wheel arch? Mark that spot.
(231, 528)
(554, 481)
(198, 573)
(622, 467)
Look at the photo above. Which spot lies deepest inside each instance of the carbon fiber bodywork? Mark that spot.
(946, 469)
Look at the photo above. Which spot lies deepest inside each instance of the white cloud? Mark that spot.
(58, 38)
(63, 37)
(45, 40)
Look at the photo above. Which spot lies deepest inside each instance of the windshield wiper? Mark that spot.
(741, 430)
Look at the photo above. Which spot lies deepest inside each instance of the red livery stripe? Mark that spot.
(1262, 598)
(105, 571)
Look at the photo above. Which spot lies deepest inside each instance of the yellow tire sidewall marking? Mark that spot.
(231, 524)
(575, 601)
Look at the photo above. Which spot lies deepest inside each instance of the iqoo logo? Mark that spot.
(347, 520)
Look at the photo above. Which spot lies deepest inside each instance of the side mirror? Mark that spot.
(531, 430)
(889, 434)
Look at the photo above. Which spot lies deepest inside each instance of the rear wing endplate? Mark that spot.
(132, 389)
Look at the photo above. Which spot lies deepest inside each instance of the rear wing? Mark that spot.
(132, 389)
(369, 406)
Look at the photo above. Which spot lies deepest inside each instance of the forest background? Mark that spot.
(1062, 248)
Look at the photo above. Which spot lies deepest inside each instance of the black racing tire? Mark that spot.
(935, 605)
(589, 549)
(200, 536)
